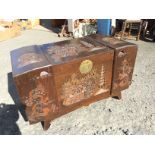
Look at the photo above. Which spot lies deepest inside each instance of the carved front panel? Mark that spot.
(79, 87)
(84, 79)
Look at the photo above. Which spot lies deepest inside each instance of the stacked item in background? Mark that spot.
(26, 24)
(8, 29)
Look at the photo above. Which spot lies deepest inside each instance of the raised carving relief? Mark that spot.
(66, 50)
(102, 82)
(28, 58)
(124, 74)
(57, 52)
(111, 40)
(38, 100)
(79, 87)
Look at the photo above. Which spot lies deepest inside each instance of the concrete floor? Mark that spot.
(134, 114)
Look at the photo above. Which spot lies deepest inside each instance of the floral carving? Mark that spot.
(58, 52)
(79, 87)
(38, 101)
(124, 75)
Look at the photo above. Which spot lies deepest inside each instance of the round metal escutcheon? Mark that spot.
(86, 66)
(43, 74)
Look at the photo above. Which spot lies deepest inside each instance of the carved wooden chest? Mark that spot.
(124, 60)
(57, 78)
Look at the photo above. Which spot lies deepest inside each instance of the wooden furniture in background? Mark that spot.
(64, 30)
(26, 24)
(127, 28)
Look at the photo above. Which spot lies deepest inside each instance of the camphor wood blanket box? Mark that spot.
(57, 78)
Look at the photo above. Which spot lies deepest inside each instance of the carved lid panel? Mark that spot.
(109, 41)
(64, 51)
(27, 58)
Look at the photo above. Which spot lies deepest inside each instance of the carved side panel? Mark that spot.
(38, 101)
(123, 68)
(124, 73)
(36, 92)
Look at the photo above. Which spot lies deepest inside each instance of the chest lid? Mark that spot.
(26, 59)
(31, 58)
(65, 51)
(110, 41)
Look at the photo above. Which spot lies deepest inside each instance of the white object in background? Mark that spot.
(71, 25)
(84, 29)
(2, 28)
(9, 20)
(113, 22)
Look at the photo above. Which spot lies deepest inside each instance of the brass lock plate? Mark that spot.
(86, 66)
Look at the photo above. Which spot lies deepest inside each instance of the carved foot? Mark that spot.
(46, 125)
(117, 95)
